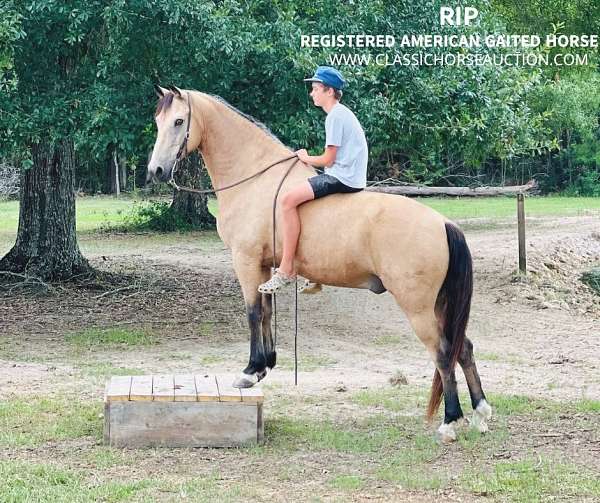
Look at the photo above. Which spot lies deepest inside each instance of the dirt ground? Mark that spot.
(536, 336)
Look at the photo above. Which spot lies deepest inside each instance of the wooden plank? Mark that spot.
(118, 389)
(227, 393)
(163, 388)
(252, 395)
(141, 388)
(413, 190)
(206, 388)
(182, 424)
(185, 388)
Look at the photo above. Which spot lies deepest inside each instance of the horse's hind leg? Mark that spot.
(429, 332)
(481, 409)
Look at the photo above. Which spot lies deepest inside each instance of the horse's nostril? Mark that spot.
(159, 171)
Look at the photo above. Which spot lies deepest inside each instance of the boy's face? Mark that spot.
(320, 94)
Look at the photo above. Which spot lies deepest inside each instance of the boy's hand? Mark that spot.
(302, 155)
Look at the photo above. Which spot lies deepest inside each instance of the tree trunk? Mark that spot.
(123, 174)
(46, 245)
(116, 174)
(192, 206)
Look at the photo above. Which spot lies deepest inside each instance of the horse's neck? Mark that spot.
(232, 147)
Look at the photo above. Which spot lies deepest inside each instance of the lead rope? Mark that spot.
(274, 265)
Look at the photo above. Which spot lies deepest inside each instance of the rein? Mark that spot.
(180, 155)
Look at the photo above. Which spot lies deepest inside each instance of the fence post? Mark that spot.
(521, 223)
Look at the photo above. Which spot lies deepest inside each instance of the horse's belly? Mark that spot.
(354, 240)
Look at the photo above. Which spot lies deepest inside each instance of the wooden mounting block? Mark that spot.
(181, 411)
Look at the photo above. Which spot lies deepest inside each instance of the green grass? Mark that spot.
(32, 421)
(347, 482)
(592, 279)
(366, 436)
(411, 467)
(359, 453)
(533, 480)
(405, 399)
(93, 213)
(585, 406)
(504, 207)
(24, 482)
(105, 369)
(306, 363)
(110, 338)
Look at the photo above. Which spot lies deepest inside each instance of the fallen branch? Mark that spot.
(414, 190)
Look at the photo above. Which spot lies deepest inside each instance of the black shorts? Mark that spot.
(324, 184)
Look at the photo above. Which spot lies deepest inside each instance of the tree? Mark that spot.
(38, 126)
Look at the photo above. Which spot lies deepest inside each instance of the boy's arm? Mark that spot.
(326, 159)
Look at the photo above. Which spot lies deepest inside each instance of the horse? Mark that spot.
(368, 240)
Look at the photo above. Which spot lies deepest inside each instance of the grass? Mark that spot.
(504, 207)
(106, 369)
(33, 421)
(365, 436)
(25, 482)
(306, 363)
(110, 338)
(212, 360)
(93, 214)
(347, 482)
(406, 398)
(533, 480)
(347, 454)
(592, 279)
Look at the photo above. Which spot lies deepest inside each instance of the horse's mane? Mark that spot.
(254, 121)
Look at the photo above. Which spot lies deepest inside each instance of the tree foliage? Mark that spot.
(85, 70)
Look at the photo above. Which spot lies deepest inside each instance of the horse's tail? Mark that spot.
(453, 305)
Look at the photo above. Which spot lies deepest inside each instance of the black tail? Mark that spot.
(454, 301)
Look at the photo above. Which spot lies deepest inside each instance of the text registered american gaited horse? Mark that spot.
(382, 242)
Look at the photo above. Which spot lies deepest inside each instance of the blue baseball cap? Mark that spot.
(328, 76)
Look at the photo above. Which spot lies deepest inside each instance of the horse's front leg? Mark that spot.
(270, 353)
(250, 274)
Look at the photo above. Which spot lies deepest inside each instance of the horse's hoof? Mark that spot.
(447, 431)
(245, 380)
(481, 414)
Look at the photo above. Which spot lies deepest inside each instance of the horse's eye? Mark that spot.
(178, 122)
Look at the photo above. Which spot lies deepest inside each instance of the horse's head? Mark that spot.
(172, 116)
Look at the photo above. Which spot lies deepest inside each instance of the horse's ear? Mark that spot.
(176, 91)
(160, 91)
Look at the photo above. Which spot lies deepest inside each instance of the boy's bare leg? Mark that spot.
(291, 224)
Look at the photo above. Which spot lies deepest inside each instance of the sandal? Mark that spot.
(277, 282)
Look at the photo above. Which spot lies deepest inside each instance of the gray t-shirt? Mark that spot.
(343, 130)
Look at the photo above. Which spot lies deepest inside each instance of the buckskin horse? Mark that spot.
(381, 242)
